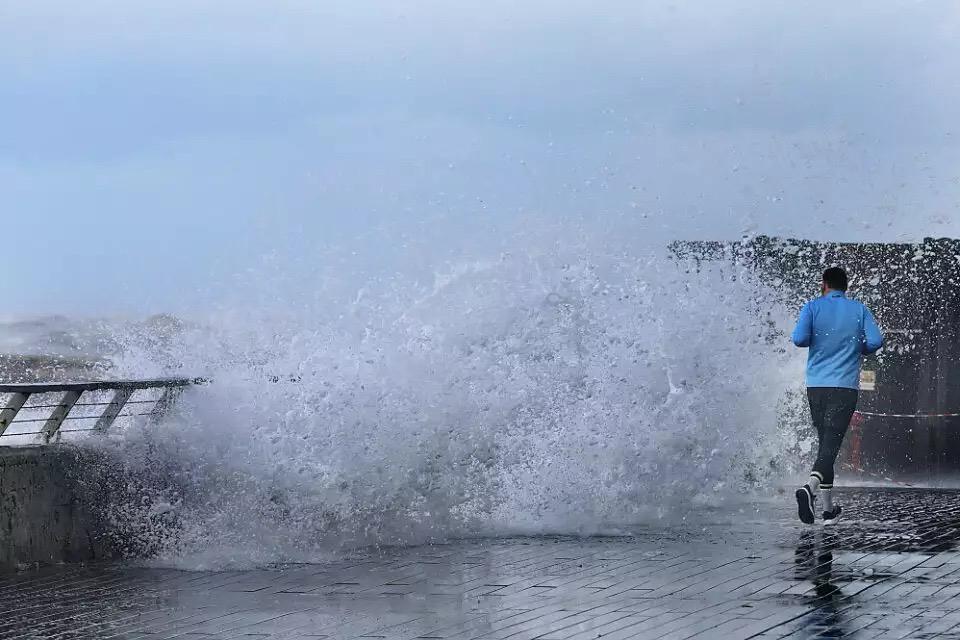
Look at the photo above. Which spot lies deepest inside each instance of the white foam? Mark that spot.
(551, 394)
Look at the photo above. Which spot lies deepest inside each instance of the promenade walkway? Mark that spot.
(891, 570)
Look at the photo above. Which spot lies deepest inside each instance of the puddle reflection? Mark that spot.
(814, 563)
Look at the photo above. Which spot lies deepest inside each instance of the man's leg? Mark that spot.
(817, 396)
(806, 495)
(838, 411)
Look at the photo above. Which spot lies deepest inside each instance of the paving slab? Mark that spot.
(890, 570)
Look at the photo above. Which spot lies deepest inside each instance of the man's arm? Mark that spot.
(803, 332)
(872, 338)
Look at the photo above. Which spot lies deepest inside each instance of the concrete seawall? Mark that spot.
(44, 516)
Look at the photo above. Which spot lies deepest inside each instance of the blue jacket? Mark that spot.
(839, 331)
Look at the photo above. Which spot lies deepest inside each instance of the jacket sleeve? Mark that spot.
(803, 332)
(872, 338)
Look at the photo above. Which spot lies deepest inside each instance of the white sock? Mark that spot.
(814, 483)
(827, 495)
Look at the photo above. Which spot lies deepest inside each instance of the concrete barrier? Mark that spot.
(44, 516)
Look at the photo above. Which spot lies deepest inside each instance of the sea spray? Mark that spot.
(524, 394)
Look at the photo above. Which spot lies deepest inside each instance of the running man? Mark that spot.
(839, 332)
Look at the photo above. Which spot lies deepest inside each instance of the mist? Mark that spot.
(153, 154)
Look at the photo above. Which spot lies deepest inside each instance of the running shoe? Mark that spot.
(805, 500)
(831, 517)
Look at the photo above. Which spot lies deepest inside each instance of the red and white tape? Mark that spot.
(876, 476)
(909, 415)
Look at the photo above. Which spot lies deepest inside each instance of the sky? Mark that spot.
(152, 151)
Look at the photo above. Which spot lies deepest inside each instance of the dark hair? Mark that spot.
(835, 278)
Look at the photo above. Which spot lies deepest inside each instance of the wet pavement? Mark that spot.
(891, 570)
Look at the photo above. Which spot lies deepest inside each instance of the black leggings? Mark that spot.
(831, 409)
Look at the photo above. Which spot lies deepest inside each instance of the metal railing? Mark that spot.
(92, 406)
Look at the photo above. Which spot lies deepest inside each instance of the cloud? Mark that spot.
(250, 126)
(182, 68)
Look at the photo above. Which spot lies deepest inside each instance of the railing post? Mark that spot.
(165, 402)
(117, 402)
(9, 412)
(59, 414)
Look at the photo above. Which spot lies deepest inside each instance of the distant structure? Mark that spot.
(909, 412)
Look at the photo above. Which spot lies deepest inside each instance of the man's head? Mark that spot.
(834, 279)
